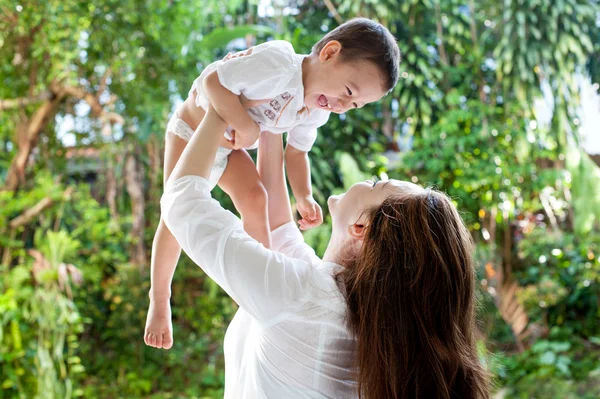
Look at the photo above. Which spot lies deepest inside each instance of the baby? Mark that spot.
(353, 65)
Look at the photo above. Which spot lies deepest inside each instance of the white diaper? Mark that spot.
(178, 127)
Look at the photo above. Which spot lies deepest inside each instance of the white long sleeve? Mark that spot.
(263, 282)
(288, 240)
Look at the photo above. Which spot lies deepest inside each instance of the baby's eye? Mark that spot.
(349, 91)
(355, 105)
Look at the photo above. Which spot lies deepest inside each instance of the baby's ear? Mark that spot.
(330, 51)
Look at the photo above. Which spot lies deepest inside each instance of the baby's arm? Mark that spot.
(229, 107)
(259, 73)
(299, 141)
(298, 171)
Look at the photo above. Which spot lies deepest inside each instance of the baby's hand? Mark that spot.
(312, 215)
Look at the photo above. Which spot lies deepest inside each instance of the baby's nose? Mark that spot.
(343, 105)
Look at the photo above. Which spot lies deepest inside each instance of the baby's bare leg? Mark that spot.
(165, 253)
(241, 181)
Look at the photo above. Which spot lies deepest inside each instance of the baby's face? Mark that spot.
(339, 86)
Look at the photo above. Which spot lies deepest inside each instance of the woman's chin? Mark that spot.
(332, 201)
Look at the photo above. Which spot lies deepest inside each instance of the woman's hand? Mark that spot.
(239, 140)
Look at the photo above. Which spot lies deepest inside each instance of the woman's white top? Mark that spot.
(289, 337)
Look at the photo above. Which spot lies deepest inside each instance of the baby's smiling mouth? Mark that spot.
(323, 102)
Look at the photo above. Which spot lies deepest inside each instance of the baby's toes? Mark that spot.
(167, 341)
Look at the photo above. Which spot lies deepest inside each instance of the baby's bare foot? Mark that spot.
(159, 330)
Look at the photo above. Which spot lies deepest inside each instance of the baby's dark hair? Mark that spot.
(363, 39)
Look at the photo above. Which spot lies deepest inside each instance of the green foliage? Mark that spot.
(39, 353)
(586, 202)
(562, 276)
(560, 367)
(462, 119)
(221, 37)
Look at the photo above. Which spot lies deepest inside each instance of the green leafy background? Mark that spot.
(86, 91)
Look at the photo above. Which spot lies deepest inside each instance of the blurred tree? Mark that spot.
(87, 89)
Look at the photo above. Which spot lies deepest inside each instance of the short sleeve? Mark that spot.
(263, 73)
(303, 135)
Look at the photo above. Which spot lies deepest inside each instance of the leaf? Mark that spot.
(548, 358)
(220, 37)
(561, 346)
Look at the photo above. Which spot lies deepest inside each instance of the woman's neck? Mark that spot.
(338, 251)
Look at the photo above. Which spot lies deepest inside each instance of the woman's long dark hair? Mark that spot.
(411, 302)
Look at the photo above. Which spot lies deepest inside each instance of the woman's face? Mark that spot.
(348, 208)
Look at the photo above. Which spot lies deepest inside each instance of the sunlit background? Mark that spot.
(497, 105)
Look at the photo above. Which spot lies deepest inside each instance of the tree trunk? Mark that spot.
(388, 128)
(136, 193)
(28, 132)
(111, 188)
(26, 136)
(155, 149)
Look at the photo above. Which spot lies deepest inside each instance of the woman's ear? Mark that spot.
(357, 231)
(330, 51)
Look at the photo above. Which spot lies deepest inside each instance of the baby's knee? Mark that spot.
(255, 198)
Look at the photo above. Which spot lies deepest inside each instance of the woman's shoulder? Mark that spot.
(325, 290)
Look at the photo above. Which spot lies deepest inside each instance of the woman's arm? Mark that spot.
(285, 235)
(264, 283)
(270, 169)
(230, 107)
(199, 155)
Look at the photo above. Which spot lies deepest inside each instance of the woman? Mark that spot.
(388, 312)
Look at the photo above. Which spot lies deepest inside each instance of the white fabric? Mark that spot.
(273, 71)
(181, 129)
(178, 127)
(288, 338)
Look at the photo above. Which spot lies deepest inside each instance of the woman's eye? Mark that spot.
(349, 91)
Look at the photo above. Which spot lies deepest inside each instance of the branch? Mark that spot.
(81, 94)
(333, 11)
(440, 33)
(103, 81)
(476, 49)
(92, 100)
(11, 17)
(112, 117)
(472, 24)
(24, 101)
(38, 208)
